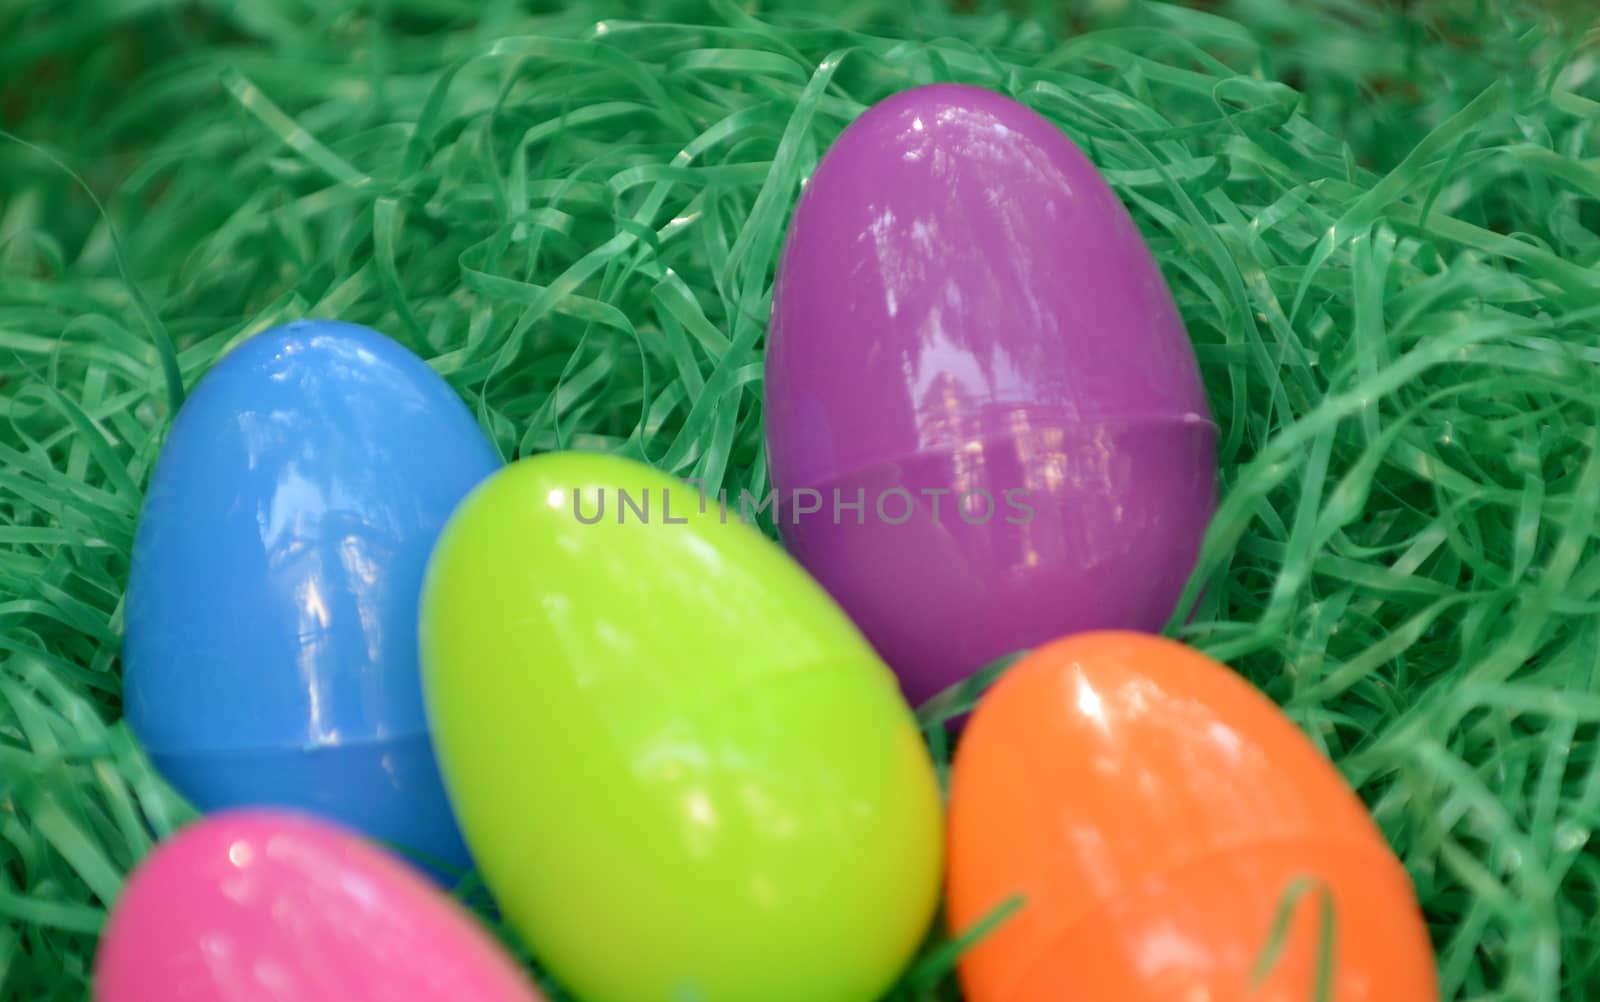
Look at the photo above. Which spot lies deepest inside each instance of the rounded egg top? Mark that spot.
(956, 269)
(1152, 814)
(272, 906)
(667, 744)
(275, 575)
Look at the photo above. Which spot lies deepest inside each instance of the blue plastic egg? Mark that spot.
(270, 657)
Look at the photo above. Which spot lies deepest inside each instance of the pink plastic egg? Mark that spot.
(267, 906)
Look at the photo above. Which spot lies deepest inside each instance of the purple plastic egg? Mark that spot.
(971, 339)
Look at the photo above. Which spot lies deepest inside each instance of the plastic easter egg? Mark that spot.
(271, 654)
(984, 418)
(269, 906)
(1156, 816)
(684, 774)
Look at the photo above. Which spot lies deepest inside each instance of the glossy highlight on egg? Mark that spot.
(966, 318)
(682, 770)
(1153, 812)
(270, 656)
(274, 906)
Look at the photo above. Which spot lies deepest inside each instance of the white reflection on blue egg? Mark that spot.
(271, 647)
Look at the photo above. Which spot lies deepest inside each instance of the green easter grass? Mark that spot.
(1381, 228)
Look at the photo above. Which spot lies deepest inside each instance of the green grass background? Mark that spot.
(1380, 223)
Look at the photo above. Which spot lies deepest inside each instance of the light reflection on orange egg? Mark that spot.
(1155, 814)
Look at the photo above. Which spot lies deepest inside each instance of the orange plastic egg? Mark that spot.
(1156, 815)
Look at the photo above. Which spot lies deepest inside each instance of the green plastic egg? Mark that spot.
(683, 773)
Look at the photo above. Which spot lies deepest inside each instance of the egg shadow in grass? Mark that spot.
(930, 978)
(943, 716)
(470, 892)
(463, 884)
